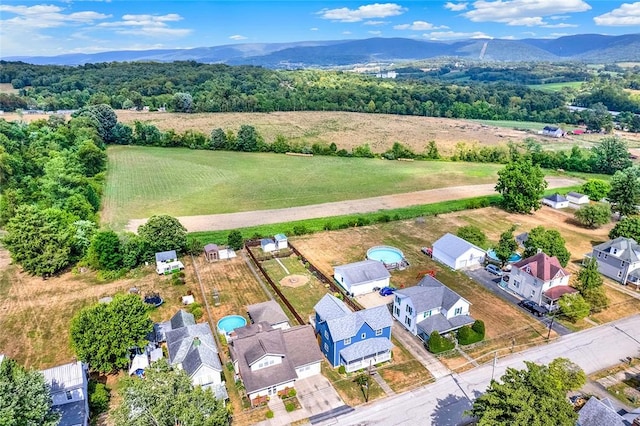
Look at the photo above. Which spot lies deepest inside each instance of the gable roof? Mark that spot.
(627, 249)
(182, 342)
(575, 194)
(454, 246)
(270, 312)
(266, 241)
(541, 266)
(556, 198)
(302, 346)
(362, 272)
(555, 293)
(430, 294)
(365, 348)
(330, 307)
(280, 237)
(210, 248)
(599, 412)
(550, 128)
(441, 324)
(163, 256)
(344, 324)
(182, 318)
(65, 377)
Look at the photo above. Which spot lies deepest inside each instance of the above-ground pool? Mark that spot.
(515, 257)
(229, 323)
(392, 257)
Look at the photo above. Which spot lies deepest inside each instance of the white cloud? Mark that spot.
(522, 12)
(559, 17)
(375, 32)
(346, 32)
(419, 26)
(448, 35)
(313, 29)
(455, 7)
(45, 16)
(560, 25)
(375, 23)
(370, 11)
(237, 37)
(628, 14)
(147, 25)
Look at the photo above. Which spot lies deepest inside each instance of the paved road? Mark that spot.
(221, 222)
(490, 282)
(443, 402)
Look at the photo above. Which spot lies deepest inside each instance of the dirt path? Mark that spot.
(219, 222)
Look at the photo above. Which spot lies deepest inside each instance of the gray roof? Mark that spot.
(182, 318)
(270, 312)
(65, 377)
(443, 325)
(280, 237)
(344, 324)
(365, 348)
(251, 329)
(72, 414)
(163, 256)
(453, 245)
(302, 346)
(330, 307)
(556, 198)
(265, 241)
(210, 247)
(219, 390)
(182, 350)
(599, 413)
(575, 194)
(430, 294)
(628, 249)
(362, 272)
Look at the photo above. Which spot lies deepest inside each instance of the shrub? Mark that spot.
(300, 230)
(269, 414)
(342, 369)
(467, 336)
(292, 392)
(196, 310)
(328, 226)
(472, 234)
(478, 327)
(438, 344)
(384, 218)
(290, 406)
(99, 397)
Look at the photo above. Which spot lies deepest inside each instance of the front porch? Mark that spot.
(366, 362)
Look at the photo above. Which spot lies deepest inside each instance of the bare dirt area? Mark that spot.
(294, 281)
(386, 202)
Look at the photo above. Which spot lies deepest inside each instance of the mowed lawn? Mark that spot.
(142, 181)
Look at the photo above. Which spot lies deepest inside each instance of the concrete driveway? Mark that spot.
(317, 395)
(491, 283)
(371, 300)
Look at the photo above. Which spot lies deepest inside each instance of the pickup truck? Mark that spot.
(533, 307)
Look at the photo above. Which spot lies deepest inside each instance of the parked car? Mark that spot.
(493, 269)
(533, 307)
(386, 291)
(426, 250)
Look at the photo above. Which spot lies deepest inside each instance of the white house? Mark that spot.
(457, 253)
(552, 131)
(577, 198)
(533, 276)
(430, 306)
(361, 277)
(167, 262)
(555, 201)
(69, 392)
(281, 241)
(267, 245)
(270, 360)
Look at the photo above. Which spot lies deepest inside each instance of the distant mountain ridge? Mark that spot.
(580, 47)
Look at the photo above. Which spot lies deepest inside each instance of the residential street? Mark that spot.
(443, 402)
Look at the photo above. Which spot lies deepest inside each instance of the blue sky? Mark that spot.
(55, 27)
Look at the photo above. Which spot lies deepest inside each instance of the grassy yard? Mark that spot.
(143, 181)
(404, 372)
(527, 125)
(349, 391)
(556, 87)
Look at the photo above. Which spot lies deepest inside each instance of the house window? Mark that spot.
(397, 311)
(533, 293)
(407, 321)
(397, 300)
(599, 254)
(347, 341)
(326, 334)
(379, 332)
(619, 274)
(622, 263)
(458, 311)
(363, 336)
(606, 255)
(69, 396)
(326, 347)
(409, 310)
(516, 284)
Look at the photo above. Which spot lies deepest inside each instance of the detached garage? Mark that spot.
(457, 253)
(361, 277)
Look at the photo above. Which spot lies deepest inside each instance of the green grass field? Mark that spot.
(527, 125)
(143, 181)
(556, 87)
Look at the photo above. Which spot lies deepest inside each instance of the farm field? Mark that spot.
(143, 181)
(556, 87)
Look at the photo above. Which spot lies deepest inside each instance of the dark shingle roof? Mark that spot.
(302, 346)
(556, 198)
(183, 341)
(163, 256)
(270, 312)
(182, 318)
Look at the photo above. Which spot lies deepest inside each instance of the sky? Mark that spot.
(48, 28)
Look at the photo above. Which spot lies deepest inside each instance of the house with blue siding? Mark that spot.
(356, 340)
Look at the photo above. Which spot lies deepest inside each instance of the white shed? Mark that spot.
(577, 198)
(267, 245)
(555, 201)
(361, 277)
(281, 241)
(457, 253)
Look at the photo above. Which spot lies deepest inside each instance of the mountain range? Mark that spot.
(593, 48)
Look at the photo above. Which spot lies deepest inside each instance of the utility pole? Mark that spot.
(553, 317)
(495, 361)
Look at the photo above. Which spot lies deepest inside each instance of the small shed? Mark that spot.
(577, 198)
(281, 241)
(552, 131)
(267, 245)
(211, 252)
(556, 201)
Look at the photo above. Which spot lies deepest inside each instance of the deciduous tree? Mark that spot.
(522, 185)
(102, 334)
(610, 155)
(628, 227)
(594, 215)
(166, 397)
(506, 246)
(163, 232)
(549, 241)
(574, 307)
(589, 284)
(105, 252)
(234, 240)
(473, 234)
(625, 191)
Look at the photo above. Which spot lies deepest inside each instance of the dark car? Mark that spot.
(533, 307)
(386, 291)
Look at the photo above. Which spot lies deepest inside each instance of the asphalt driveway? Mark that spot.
(491, 283)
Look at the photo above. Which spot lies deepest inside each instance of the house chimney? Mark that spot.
(196, 342)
